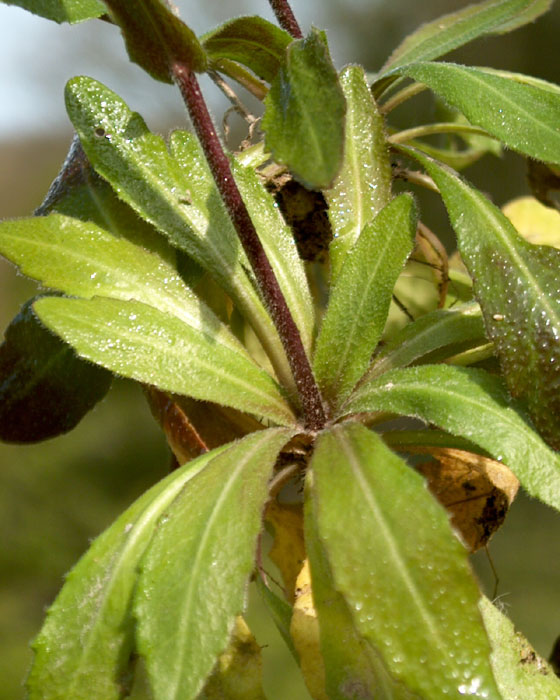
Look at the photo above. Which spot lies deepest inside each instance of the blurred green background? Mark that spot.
(56, 496)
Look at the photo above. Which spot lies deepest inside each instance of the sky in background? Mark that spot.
(37, 57)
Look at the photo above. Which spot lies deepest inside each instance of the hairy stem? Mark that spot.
(286, 18)
(402, 96)
(266, 279)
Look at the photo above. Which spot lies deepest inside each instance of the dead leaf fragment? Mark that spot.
(238, 671)
(304, 629)
(193, 427)
(288, 548)
(476, 490)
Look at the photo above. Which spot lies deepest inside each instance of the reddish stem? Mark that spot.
(286, 18)
(266, 279)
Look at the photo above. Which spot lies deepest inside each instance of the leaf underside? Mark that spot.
(71, 11)
(304, 114)
(45, 389)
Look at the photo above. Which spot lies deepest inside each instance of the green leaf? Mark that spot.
(281, 250)
(217, 232)
(137, 341)
(446, 33)
(403, 440)
(516, 284)
(174, 192)
(280, 612)
(352, 668)
(434, 330)
(304, 114)
(72, 11)
(193, 578)
(406, 580)
(78, 191)
(520, 672)
(473, 404)
(156, 38)
(524, 79)
(45, 390)
(81, 259)
(363, 185)
(360, 299)
(252, 41)
(523, 116)
(84, 647)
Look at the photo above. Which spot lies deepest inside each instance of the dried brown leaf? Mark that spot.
(476, 490)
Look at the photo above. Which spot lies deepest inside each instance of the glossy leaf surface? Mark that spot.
(84, 646)
(441, 36)
(517, 286)
(175, 193)
(137, 341)
(80, 259)
(472, 404)
(45, 389)
(524, 117)
(351, 666)
(304, 114)
(156, 38)
(140, 169)
(72, 11)
(363, 185)
(428, 333)
(520, 672)
(251, 41)
(193, 578)
(360, 299)
(406, 580)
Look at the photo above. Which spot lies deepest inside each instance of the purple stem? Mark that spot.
(286, 18)
(268, 284)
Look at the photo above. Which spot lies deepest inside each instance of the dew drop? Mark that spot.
(472, 688)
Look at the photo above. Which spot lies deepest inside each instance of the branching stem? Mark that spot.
(268, 284)
(286, 18)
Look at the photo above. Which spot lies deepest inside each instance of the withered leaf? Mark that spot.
(194, 427)
(476, 490)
